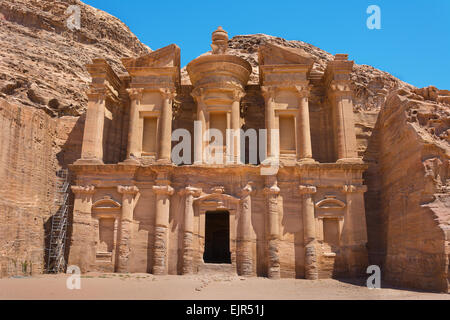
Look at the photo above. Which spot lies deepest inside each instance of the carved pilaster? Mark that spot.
(133, 148)
(160, 247)
(269, 96)
(130, 195)
(272, 193)
(245, 250)
(309, 232)
(304, 149)
(164, 154)
(188, 237)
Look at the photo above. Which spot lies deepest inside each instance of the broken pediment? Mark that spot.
(272, 54)
(168, 56)
(330, 202)
(106, 203)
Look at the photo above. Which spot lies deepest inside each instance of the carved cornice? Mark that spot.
(163, 190)
(350, 188)
(83, 189)
(305, 189)
(127, 189)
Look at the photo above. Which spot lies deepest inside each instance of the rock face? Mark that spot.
(42, 95)
(408, 202)
(42, 61)
(403, 133)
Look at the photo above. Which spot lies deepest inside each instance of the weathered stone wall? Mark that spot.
(27, 172)
(408, 202)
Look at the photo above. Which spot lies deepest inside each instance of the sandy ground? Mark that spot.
(202, 287)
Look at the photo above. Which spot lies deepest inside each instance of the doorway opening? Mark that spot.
(217, 237)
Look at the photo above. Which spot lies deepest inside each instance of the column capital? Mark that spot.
(163, 190)
(248, 190)
(167, 93)
(198, 94)
(268, 92)
(191, 191)
(303, 91)
(83, 189)
(340, 87)
(95, 94)
(127, 189)
(350, 188)
(272, 190)
(306, 189)
(238, 95)
(135, 93)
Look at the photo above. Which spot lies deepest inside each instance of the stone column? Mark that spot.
(304, 149)
(236, 125)
(245, 260)
(160, 246)
(130, 195)
(82, 244)
(200, 126)
(134, 145)
(272, 193)
(355, 232)
(188, 237)
(92, 148)
(341, 99)
(269, 96)
(165, 139)
(309, 232)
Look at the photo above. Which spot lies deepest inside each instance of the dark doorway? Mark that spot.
(217, 237)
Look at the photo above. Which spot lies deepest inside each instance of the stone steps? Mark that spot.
(217, 269)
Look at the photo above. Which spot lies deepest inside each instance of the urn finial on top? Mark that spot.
(219, 41)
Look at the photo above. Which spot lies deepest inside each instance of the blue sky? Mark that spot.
(413, 43)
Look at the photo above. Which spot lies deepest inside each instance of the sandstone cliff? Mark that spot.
(42, 95)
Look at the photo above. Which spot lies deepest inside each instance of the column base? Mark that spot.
(350, 160)
(306, 160)
(131, 161)
(163, 161)
(92, 161)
